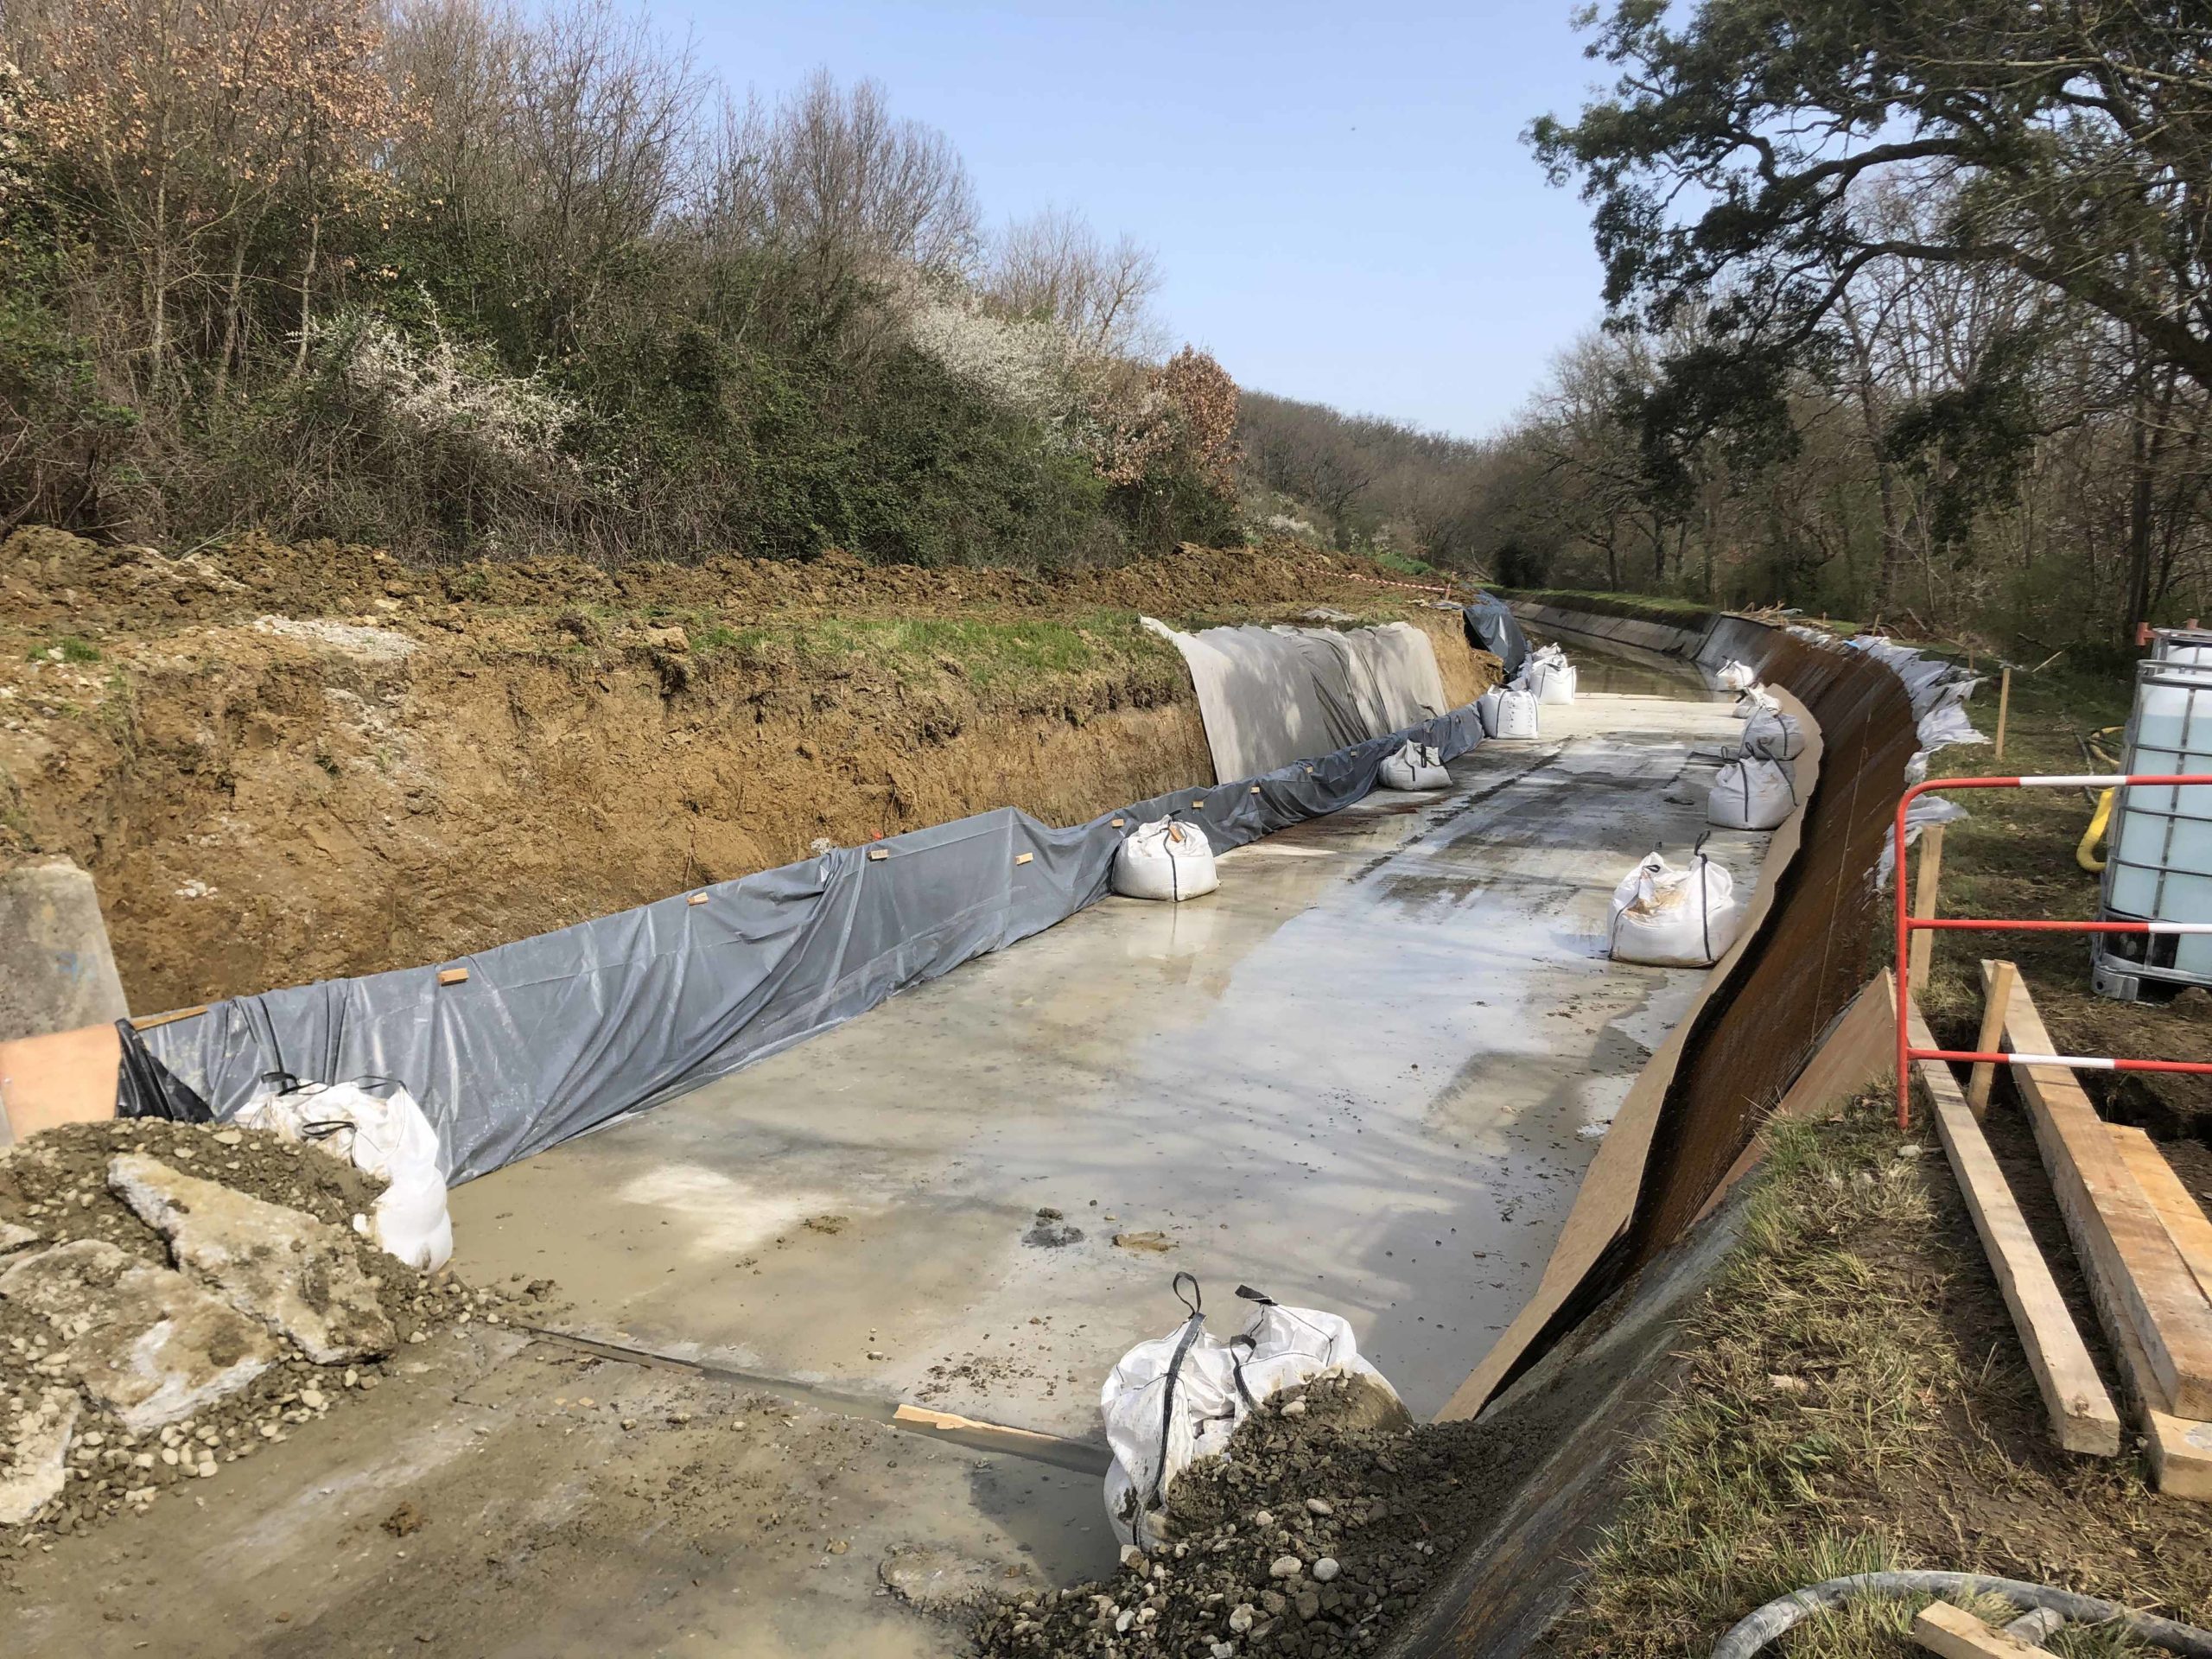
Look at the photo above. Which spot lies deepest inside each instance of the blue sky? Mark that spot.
(1338, 194)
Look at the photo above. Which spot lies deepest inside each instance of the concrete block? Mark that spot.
(56, 970)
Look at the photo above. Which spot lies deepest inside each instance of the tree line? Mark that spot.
(470, 281)
(1908, 319)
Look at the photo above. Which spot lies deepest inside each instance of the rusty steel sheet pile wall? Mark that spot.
(1810, 957)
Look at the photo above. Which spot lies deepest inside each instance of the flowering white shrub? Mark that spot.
(11, 125)
(1034, 367)
(447, 390)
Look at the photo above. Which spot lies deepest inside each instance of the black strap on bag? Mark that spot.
(1196, 1302)
(1704, 898)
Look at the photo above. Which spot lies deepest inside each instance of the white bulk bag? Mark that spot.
(1179, 1398)
(1773, 734)
(1486, 710)
(1165, 859)
(1751, 794)
(376, 1123)
(1517, 713)
(1736, 677)
(1416, 766)
(1552, 679)
(1672, 917)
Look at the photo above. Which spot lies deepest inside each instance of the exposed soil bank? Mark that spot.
(284, 764)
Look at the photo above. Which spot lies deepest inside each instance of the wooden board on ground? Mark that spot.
(2082, 1413)
(1957, 1634)
(2117, 1234)
(2181, 1215)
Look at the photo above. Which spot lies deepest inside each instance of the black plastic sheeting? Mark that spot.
(551, 1036)
(1492, 626)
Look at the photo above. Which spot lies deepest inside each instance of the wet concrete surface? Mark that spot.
(1367, 1075)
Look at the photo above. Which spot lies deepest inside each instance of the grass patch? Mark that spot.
(72, 648)
(990, 653)
(1653, 607)
(1855, 1400)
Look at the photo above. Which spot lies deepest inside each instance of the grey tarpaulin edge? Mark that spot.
(551, 1036)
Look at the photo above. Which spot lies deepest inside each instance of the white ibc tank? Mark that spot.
(2159, 864)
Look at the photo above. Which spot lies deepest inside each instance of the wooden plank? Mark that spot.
(1955, 1633)
(696, 899)
(148, 1022)
(2116, 1233)
(2082, 1413)
(1023, 858)
(2180, 1214)
(453, 976)
(1923, 949)
(2003, 707)
(1984, 1073)
(925, 1417)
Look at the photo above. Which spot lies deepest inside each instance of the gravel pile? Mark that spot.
(1315, 1534)
(55, 1186)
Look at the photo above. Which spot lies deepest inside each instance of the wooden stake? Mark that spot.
(2004, 706)
(1992, 1035)
(1924, 901)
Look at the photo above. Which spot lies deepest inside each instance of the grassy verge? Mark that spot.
(1855, 1400)
(1653, 607)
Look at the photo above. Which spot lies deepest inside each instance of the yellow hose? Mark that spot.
(2086, 854)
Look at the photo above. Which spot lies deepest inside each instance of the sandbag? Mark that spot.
(1179, 1398)
(1552, 678)
(1486, 710)
(1772, 734)
(1165, 859)
(1416, 766)
(1751, 794)
(1517, 713)
(1670, 918)
(1736, 677)
(374, 1123)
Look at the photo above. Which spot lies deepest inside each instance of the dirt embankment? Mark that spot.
(282, 764)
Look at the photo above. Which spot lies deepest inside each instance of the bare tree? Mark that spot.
(1054, 265)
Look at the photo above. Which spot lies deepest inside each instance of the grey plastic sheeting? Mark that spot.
(553, 1035)
(1270, 695)
(1492, 626)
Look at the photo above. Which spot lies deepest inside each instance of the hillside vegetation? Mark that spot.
(462, 280)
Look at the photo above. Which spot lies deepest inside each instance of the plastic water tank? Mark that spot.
(2159, 867)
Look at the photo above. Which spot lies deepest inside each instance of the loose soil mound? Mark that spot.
(1315, 1534)
(56, 1185)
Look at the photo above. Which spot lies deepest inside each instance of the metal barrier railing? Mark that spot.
(1909, 923)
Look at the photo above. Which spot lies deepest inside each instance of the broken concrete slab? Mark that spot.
(299, 1276)
(35, 1465)
(145, 1341)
